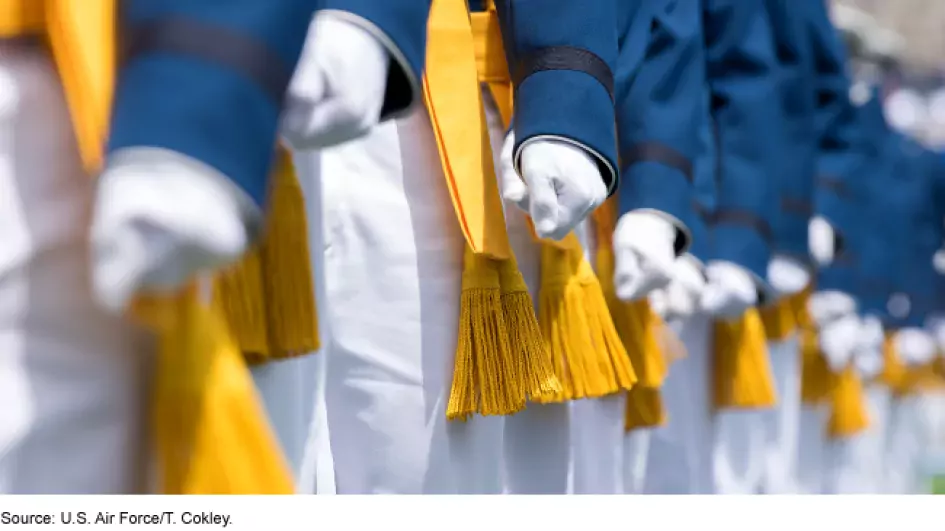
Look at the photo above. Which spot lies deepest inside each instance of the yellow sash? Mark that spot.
(210, 431)
(848, 410)
(501, 361)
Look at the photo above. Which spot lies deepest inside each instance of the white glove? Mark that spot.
(681, 298)
(559, 186)
(730, 290)
(643, 254)
(828, 306)
(936, 325)
(915, 346)
(839, 340)
(338, 88)
(868, 354)
(160, 218)
(787, 275)
(821, 240)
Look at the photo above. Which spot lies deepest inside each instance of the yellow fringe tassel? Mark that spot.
(645, 408)
(779, 320)
(210, 430)
(268, 297)
(742, 377)
(894, 370)
(918, 380)
(587, 355)
(848, 411)
(491, 374)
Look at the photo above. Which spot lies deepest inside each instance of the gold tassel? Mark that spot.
(779, 320)
(742, 377)
(587, 355)
(918, 380)
(645, 408)
(848, 411)
(894, 370)
(483, 366)
(268, 297)
(529, 351)
(239, 294)
(290, 301)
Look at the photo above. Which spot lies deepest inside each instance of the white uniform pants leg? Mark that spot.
(73, 381)
(394, 259)
(781, 422)
(738, 459)
(679, 460)
(636, 452)
(856, 463)
(597, 424)
(909, 440)
(812, 449)
(317, 472)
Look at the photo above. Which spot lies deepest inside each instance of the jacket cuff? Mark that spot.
(568, 105)
(403, 32)
(741, 244)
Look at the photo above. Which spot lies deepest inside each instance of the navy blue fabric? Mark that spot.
(660, 108)
(404, 22)
(206, 111)
(796, 148)
(742, 76)
(568, 103)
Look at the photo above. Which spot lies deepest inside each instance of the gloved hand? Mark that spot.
(338, 88)
(160, 218)
(730, 290)
(936, 325)
(681, 298)
(643, 254)
(868, 354)
(787, 275)
(821, 240)
(834, 314)
(559, 186)
(915, 346)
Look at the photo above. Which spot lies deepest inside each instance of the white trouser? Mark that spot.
(293, 390)
(857, 463)
(393, 267)
(812, 459)
(679, 459)
(781, 421)
(72, 380)
(909, 441)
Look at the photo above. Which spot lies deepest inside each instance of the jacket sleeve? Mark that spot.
(562, 55)
(796, 146)
(401, 25)
(659, 112)
(188, 67)
(742, 69)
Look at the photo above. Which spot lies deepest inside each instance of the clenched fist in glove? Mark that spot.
(681, 298)
(644, 256)
(730, 290)
(337, 91)
(159, 219)
(559, 185)
(834, 314)
(787, 276)
(916, 346)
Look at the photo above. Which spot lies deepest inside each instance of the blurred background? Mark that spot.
(901, 45)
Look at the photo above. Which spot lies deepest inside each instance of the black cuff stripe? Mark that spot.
(222, 46)
(800, 207)
(653, 151)
(565, 58)
(741, 217)
(833, 184)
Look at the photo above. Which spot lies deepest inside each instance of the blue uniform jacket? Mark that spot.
(660, 108)
(844, 146)
(796, 148)
(742, 76)
(562, 56)
(207, 78)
